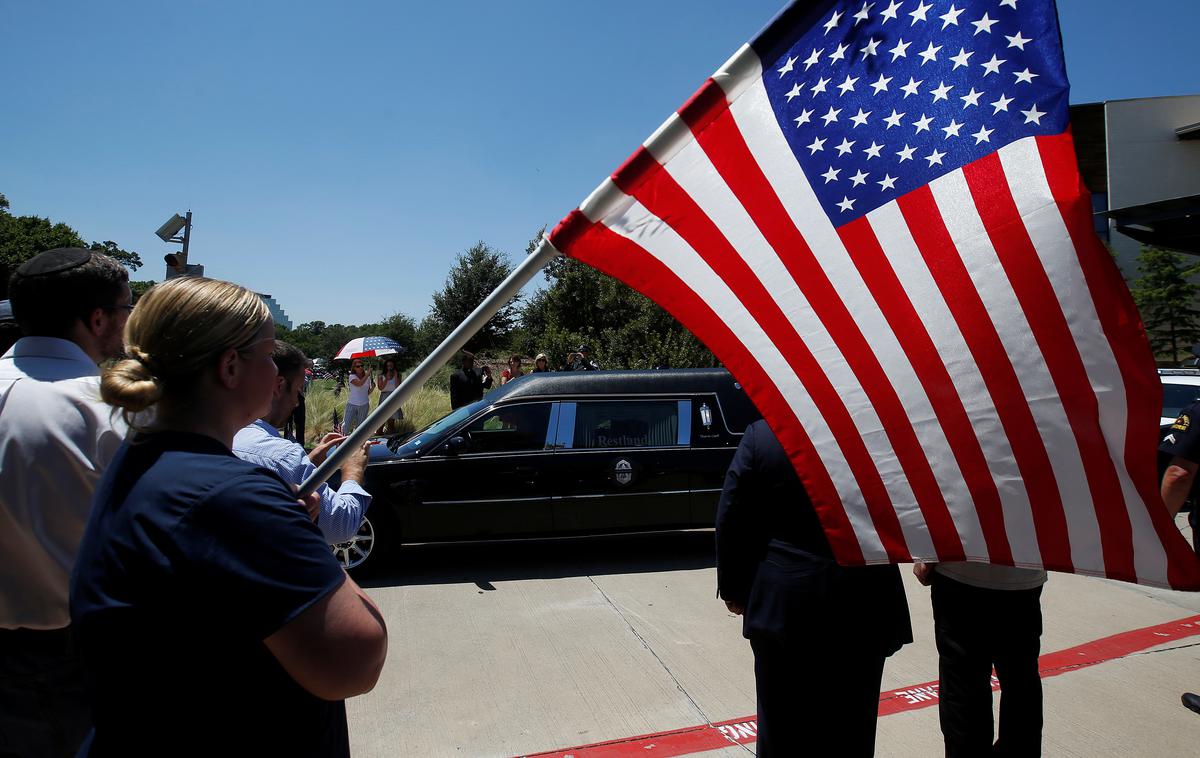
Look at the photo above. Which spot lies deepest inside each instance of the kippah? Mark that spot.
(55, 261)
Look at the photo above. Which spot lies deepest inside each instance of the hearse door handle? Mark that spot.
(530, 473)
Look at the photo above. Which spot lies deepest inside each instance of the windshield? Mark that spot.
(1177, 397)
(434, 431)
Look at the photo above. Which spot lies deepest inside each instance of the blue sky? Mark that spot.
(340, 157)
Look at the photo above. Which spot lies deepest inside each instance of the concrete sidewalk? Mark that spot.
(516, 648)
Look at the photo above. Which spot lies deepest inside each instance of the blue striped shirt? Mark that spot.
(341, 511)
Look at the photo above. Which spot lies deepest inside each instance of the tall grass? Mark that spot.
(428, 405)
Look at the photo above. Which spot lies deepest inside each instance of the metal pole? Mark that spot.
(187, 236)
(508, 289)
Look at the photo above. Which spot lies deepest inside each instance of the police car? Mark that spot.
(558, 454)
(1181, 388)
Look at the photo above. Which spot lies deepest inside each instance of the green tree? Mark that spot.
(22, 237)
(624, 328)
(1166, 299)
(475, 275)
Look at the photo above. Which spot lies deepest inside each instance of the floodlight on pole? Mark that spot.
(170, 232)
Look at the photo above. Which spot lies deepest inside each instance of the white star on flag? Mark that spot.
(870, 48)
(804, 117)
(813, 58)
(992, 66)
(971, 98)
(961, 59)
(930, 53)
(1017, 41)
(832, 23)
(831, 115)
(859, 118)
(1024, 76)
(935, 157)
(889, 13)
(982, 135)
(846, 203)
(859, 178)
(900, 50)
(889, 182)
(984, 24)
(787, 67)
(848, 85)
(907, 153)
(818, 143)
(923, 123)
(952, 129)
(894, 119)
(862, 13)
(873, 150)
(911, 87)
(881, 84)
(919, 13)
(941, 92)
(1033, 115)
(831, 174)
(795, 90)
(844, 148)
(1001, 104)
(950, 17)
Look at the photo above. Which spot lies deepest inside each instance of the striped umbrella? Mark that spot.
(368, 347)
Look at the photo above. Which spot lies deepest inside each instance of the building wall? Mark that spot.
(277, 315)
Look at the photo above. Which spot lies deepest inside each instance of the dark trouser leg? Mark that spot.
(298, 420)
(1015, 646)
(815, 700)
(43, 709)
(964, 669)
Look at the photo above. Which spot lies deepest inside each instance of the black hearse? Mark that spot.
(558, 454)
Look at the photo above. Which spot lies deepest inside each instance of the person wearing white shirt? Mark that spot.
(340, 512)
(56, 439)
(359, 403)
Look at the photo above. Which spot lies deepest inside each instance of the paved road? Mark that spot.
(515, 648)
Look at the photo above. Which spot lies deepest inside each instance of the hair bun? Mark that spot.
(130, 384)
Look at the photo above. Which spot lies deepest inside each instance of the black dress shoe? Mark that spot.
(1191, 702)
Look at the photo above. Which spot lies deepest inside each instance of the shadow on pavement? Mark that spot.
(482, 563)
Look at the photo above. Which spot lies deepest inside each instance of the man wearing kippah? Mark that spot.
(56, 439)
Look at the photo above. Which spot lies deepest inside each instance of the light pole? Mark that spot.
(177, 264)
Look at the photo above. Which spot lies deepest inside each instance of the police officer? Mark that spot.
(820, 632)
(1181, 446)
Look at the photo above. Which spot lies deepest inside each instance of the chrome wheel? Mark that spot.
(355, 551)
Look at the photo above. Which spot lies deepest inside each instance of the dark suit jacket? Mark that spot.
(467, 386)
(773, 558)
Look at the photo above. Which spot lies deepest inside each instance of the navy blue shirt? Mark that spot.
(191, 558)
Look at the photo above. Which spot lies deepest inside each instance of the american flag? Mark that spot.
(872, 214)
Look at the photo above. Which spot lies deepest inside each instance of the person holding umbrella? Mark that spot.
(358, 404)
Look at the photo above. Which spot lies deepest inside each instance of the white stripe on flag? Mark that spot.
(975, 249)
(637, 224)
(897, 242)
(1027, 180)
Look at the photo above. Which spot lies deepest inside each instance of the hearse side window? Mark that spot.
(509, 429)
(650, 423)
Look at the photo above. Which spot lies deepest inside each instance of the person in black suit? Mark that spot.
(820, 632)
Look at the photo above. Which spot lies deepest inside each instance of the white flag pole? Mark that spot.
(533, 263)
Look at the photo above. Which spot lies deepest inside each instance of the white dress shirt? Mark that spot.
(56, 439)
(341, 511)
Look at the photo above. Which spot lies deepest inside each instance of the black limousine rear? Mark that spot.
(559, 454)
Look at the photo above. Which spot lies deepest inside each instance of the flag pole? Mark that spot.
(533, 263)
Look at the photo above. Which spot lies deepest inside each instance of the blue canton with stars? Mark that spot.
(879, 98)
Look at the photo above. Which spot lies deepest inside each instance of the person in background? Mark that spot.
(541, 364)
(987, 616)
(513, 370)
(56, 439)
(387, 383)
(211, 615)
(1181, 448)
(812, 624)
(467, 384)
(358, 404)
(339, 513)
(581, 360)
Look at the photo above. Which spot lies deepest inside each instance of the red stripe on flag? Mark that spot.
(1035, 293)
(727, 149)
(609, 252)
(970, 314)
(658, 191)
(1127, 339)
(876, 270)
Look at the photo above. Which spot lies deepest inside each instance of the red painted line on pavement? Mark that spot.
(695, 739)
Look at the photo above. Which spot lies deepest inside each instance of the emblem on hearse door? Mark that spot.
(623, 472)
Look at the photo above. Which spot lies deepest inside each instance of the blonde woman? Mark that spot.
(211, 616)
